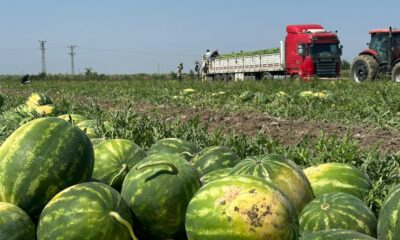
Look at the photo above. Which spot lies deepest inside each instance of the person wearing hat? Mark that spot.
(179, 71)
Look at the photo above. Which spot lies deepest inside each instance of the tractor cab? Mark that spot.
(382, 56)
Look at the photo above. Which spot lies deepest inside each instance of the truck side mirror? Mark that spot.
(340, 50)
(301, 50)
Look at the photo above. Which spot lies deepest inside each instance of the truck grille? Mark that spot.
(325, 68)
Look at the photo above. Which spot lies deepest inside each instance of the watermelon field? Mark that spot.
(147, 157)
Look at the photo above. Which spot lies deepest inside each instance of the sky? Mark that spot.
(150, 36)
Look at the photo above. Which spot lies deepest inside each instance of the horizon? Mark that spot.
(131, 37)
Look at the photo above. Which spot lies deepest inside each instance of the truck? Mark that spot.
(382, 58)
(307, 51)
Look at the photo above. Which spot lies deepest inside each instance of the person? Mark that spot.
(205, 70)
(207, 55)
(197, 70)
(214, 55)
(25, 79)
(179, 71)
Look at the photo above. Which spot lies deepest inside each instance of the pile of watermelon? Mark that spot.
(59, 180)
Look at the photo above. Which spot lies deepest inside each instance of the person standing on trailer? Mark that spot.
(179, 71)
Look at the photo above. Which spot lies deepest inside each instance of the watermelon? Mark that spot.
(214, 175)
(389, 216)
(45, 110)
(174, 146)
(86, 211)
(74, 118)
(338, 211)
(26, 110)
(15, 224)
(246, 96)
(337, 234)
(158, 190)
(2, 100)
(282, 172)
(40, 159)
(97, 141)
(213, 158)
(113, 160)
(338, 177)
(38, 99)
(241, 207)
(89, 127)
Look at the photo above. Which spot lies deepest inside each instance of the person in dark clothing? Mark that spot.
(25, 79)
(197, 70)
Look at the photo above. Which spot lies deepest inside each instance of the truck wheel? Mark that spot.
(231, 77)
(267, 76)
(396, 73)
(224, 77)
(217, 77)
(364, 68)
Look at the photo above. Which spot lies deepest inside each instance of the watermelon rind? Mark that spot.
(15, 224)
(174, 146)
(86, 211)
(389, 216)
(336, 234)
(215, 175)
(241, 207)
(213, 158)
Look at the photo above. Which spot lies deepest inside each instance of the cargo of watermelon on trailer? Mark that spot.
(308, 51)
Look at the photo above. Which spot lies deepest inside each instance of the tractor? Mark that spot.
(381, 58)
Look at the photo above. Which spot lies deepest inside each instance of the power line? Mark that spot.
(137, 52)
(72, 53)
(43, 50)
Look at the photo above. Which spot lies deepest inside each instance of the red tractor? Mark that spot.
(382, 57)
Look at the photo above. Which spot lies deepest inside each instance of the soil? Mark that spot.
(287, 132)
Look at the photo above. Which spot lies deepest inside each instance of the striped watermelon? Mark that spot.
(113, 160)
(338, 211)
(40, 159)
(213, 158)
(15, 224)
(74, 118)
(337, 234)
(158, 190)
(338, 177)
(97, 141)
(86, 211)
(389, 216)
(215, 175)
(282, 172)
(174, 146)
(89, 127)
(241, 207)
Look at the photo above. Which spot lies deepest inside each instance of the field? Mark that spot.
(311, 123)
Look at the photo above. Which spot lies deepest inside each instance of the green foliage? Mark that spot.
(249, 53)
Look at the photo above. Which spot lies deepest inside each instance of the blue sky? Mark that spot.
(124, 36)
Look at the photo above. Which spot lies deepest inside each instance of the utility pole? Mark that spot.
(43, 50)
(72, 53)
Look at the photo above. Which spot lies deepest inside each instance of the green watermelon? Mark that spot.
(282, 172)
(246, 96)
(40, 159)
(113, 160)
(174, 146)
(97, 141)
(158, 190)
(241, 208)
(338, 211)
(15, 224)
(214, 175)
(213, 158)
(86, 211)
(389, 216)
(338, 177)
(74, 118)
(337, 234)
(89, 127)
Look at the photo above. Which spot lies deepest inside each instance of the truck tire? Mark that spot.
(224, 77)
(267, 76)
(396, 73)
(364, 68)
(231, 77)
(217, 77)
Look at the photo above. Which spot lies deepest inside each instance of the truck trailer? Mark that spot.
(307, 51)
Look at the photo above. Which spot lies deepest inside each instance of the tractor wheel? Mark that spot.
(364, 68)
(396, 73)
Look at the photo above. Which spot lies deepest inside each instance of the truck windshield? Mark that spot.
(324, 49)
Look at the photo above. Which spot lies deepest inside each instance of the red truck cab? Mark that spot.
(312, 51)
